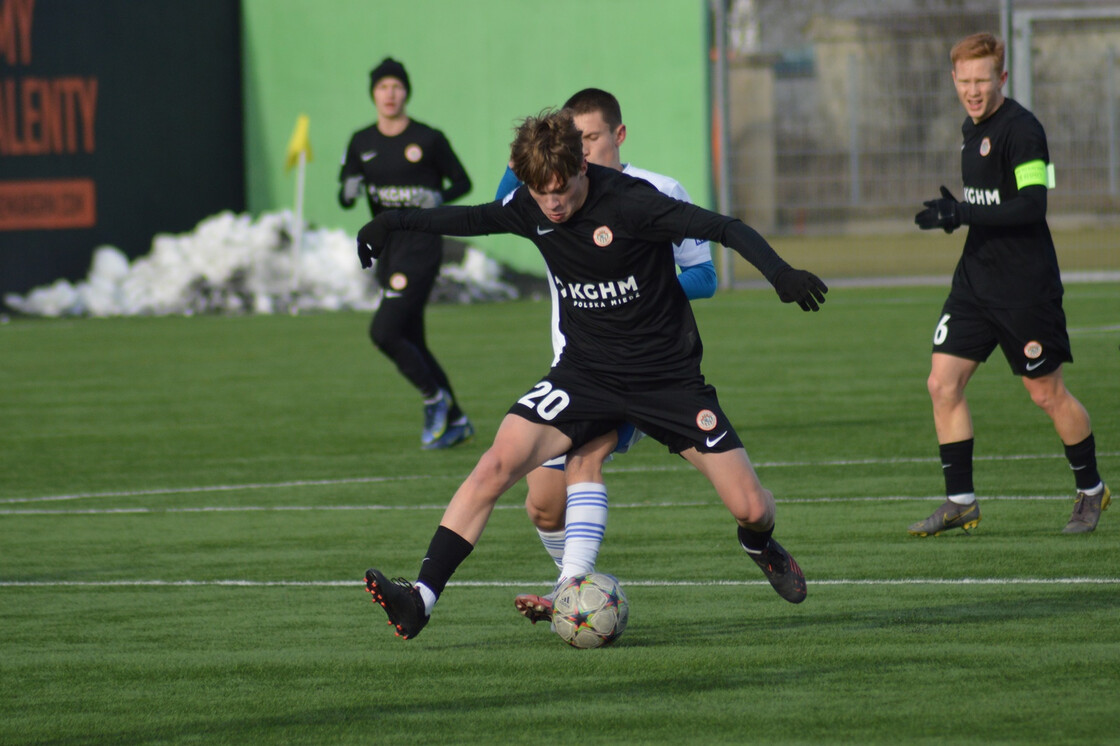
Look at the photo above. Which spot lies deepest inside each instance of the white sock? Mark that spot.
(428, 596)
(584, 526)
(553, 544)
(1095, 491)
(966, 498)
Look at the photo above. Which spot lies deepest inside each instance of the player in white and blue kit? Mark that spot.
(567, 498)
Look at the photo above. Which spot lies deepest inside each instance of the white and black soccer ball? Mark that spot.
(590, 611)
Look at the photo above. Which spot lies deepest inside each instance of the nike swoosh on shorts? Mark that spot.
(711, 442)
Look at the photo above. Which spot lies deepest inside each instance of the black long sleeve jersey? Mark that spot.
(1008, 259)
(622, 310)
(405, 170)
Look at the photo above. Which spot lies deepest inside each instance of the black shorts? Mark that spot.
(680, 413)
(409, 266)
(1033, 339)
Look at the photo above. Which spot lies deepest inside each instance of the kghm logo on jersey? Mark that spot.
(598, 294)
(405, 196)
(602, 236)
(1033, 350)
(706, 420)
(980, 196)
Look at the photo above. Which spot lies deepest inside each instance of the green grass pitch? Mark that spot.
(187, 507)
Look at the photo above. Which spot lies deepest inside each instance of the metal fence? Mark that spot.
(843, 115)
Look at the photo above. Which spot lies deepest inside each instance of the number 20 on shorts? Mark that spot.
(546, 400)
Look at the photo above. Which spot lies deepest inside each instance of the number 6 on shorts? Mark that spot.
(942, 330)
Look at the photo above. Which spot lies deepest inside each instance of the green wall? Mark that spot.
(476, 66)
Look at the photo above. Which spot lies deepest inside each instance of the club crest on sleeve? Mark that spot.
(706, 420)
(602, 236)
(413, 153)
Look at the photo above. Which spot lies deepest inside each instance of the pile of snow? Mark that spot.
(233, 264)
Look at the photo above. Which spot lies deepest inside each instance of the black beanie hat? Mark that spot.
(389, 67)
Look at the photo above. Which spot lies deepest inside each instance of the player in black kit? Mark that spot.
(1006, 290)
(633, 349)
(405, 164)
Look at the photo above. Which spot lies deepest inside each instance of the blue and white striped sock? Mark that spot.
(584, 525)
(553, 544)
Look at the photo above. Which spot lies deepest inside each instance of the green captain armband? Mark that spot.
(1034, 173)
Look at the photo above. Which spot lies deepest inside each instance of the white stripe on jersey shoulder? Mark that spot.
(687, 253)
(508, 197)
(667, 185)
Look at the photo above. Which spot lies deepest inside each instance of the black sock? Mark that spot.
(445, 553)
(956, 463)
(754, 541)
(1083, 460)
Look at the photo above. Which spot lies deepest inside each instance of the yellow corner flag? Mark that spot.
(300, 142)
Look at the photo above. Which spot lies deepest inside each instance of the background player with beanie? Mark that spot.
(401, 163)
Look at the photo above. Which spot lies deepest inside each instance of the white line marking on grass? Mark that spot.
(1090, 330)
(231, 509)
(357, 584)
(864, 581)
(867, 462)
(224, 488)
(415, 477)
(714, 502)
(902, 498)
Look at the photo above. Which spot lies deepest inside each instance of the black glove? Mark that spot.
(940, 213)
(804, 288)
(374, 235)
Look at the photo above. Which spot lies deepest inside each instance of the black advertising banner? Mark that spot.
(119, 119)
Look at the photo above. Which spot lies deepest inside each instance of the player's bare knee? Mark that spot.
(943, 391)
(494, 470)
(762, 515)
(753, 508)
(543, 515)
(759, 519)
(1048, 398)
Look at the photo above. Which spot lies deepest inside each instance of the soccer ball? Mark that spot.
(590, 611)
